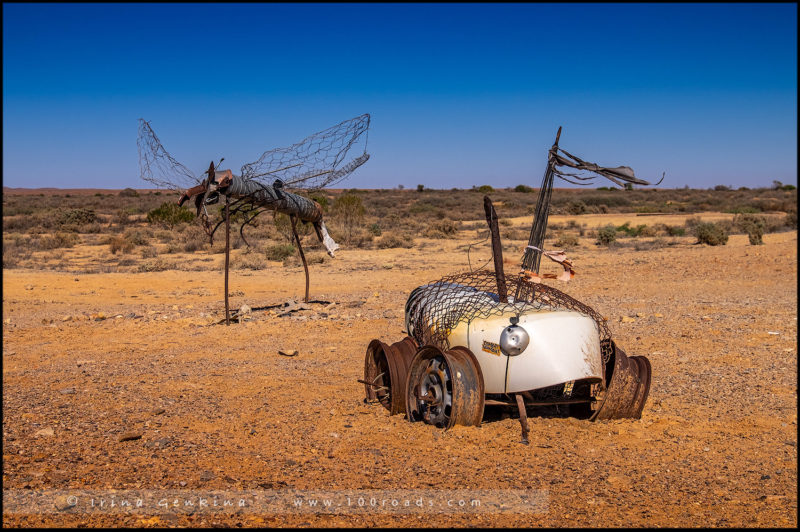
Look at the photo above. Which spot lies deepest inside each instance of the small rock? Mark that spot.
(641, 315)
(67, 318)
(64, 502)
(158, 411)
(67, 391)
(657, 315)
(389, 314)
(44, 432)
(205, 476)
(626, 319)
(28, 287)
(159, 443)
(706, 318)
(129, 436)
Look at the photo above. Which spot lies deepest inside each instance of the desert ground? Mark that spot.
(91, 357)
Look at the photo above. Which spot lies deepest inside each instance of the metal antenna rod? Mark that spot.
(532, 258)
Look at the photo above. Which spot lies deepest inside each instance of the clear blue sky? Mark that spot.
(460, 95)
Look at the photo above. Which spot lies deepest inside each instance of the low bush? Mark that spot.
(710, 233)
(395, 241)
(77, 217)
(149, 252)
(169, 215)
(138, 236)
(279, 252)
(249, 261)
(58, 240)
(442, 229)
(566, 240)
(753, 225)
(576, 207)
(158, 265)
(606, 235)
(791, 220)
(120, 243)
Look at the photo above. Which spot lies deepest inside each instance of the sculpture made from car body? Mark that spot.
(467, 349)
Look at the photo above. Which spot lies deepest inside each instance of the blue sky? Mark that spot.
(460, 94)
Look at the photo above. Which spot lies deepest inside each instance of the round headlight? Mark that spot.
(513, 340)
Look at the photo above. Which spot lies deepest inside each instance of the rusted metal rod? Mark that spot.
(300, 249)
(497, 249)
(227, 255)
(523, 418)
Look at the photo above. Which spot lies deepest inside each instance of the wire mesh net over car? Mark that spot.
(435, 309)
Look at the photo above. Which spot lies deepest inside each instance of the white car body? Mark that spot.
(564, 346)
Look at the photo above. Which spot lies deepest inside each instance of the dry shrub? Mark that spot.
(284, 226)
(158, 265)
(576, 207)
(279, 252)
(169, 215)
(120, 243)
(606, 235)
(656, 243)
(76, 217)
(58, 240)
(249, 261)
(442, 229)
(348, 210)
(566, 240)
(395, 241)
(791, 219)
(193, 237)
(711, 233)
(514, 234)
(149, 252)
(752, 224)
(311, 258)
(138, 236)
(360, 237)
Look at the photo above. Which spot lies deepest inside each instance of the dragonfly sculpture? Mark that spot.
(320, 160)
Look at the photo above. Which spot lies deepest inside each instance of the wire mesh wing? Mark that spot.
(618, 175)
(316, 161)
(157, 166)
